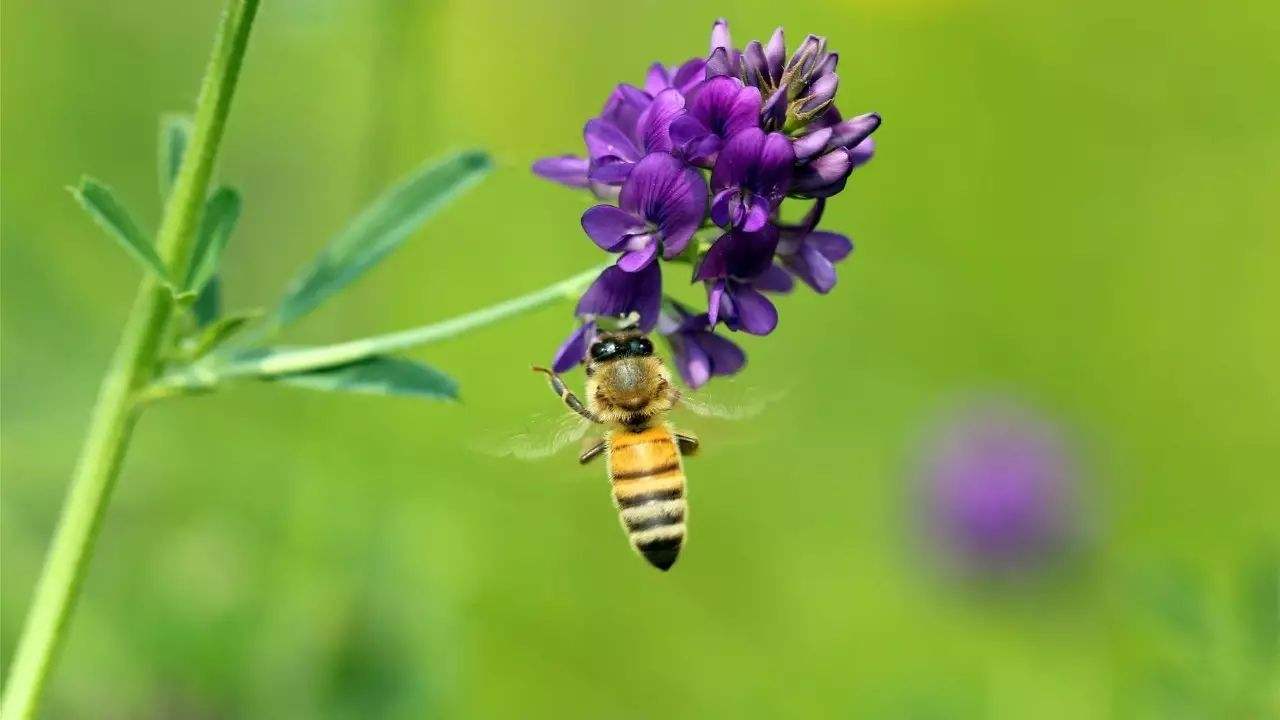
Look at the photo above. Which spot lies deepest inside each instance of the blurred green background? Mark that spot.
(1073, 203)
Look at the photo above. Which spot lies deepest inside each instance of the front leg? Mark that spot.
(688, 443)
(571, 400)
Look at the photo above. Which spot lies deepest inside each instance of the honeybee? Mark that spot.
(629, 391)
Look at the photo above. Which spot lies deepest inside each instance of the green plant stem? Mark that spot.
(132, 368)
(274, 362)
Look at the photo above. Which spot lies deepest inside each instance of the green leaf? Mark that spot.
(380, 229)
(219, 331)
(208, 304)
(98, 200)
(220, 214)
(381, 375)
(175, 131)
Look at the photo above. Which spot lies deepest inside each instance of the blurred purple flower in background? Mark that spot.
(1000, 490)
(694, 168)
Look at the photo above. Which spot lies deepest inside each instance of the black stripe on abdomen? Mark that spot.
(631, 501)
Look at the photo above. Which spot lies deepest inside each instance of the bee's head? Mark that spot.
(624, 373)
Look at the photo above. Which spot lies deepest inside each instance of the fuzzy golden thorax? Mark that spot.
(632, 392)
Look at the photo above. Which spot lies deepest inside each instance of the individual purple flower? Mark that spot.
(683, 78)
(737, 268)
(618, 293)
(828, 153)
(724, 58)
(811, 254)
(698, 353)
(1000, 489)
(568, 170)
(750, 178)
(715, 111)
(632, 126)
(662, 203)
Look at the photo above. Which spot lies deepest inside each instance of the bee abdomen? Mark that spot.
(652, 507)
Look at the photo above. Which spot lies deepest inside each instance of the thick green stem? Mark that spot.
(132, 367)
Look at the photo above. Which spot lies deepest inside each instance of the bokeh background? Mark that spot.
(1073, 210)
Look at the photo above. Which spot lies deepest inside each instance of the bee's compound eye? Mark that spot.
(604, 350)
(639, 347)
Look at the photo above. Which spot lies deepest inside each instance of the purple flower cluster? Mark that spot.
(714, 144)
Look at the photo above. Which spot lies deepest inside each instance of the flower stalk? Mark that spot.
(273, 362)
(132, 368)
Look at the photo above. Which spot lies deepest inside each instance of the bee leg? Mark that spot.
(571, 400)
(688, 443)
(592, 452)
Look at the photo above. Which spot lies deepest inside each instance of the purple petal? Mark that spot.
(657, 79)
(611, 170)
(821, 92)
(653, 126)
(610, 227)
(726, 357)
(637, 260)
(863, 152)
(773, 114)
(823, 176)
(776, 161)
(719, 64)
(853, 131)
(755, 68)
(689, 74)
(812, 267)
(669, 194)
(692, 362)
(716, 300)
(720, 37)
(775, 54)
(737, 159)
(724, 106)
(757, 214)
(806, 146)
(756, 314)
(739, 255)
(624, 106)
(604, 139)
(574, 349)
(833, 246)
(565, 169)
(775, 280)
(617, 292)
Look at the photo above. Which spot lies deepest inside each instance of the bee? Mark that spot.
(629, 391)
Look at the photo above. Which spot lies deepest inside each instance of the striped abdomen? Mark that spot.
(648, 489)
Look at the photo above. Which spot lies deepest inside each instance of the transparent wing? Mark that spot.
(541, 437)
(729, 401)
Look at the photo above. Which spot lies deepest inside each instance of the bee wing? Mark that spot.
(729, 401)
(542, 437)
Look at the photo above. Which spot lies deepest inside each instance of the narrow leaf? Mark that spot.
(381, 375)
(175, 131)
(220, 214)
(219, 331)
(380, 229)
(208, 304)
(98, 200)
